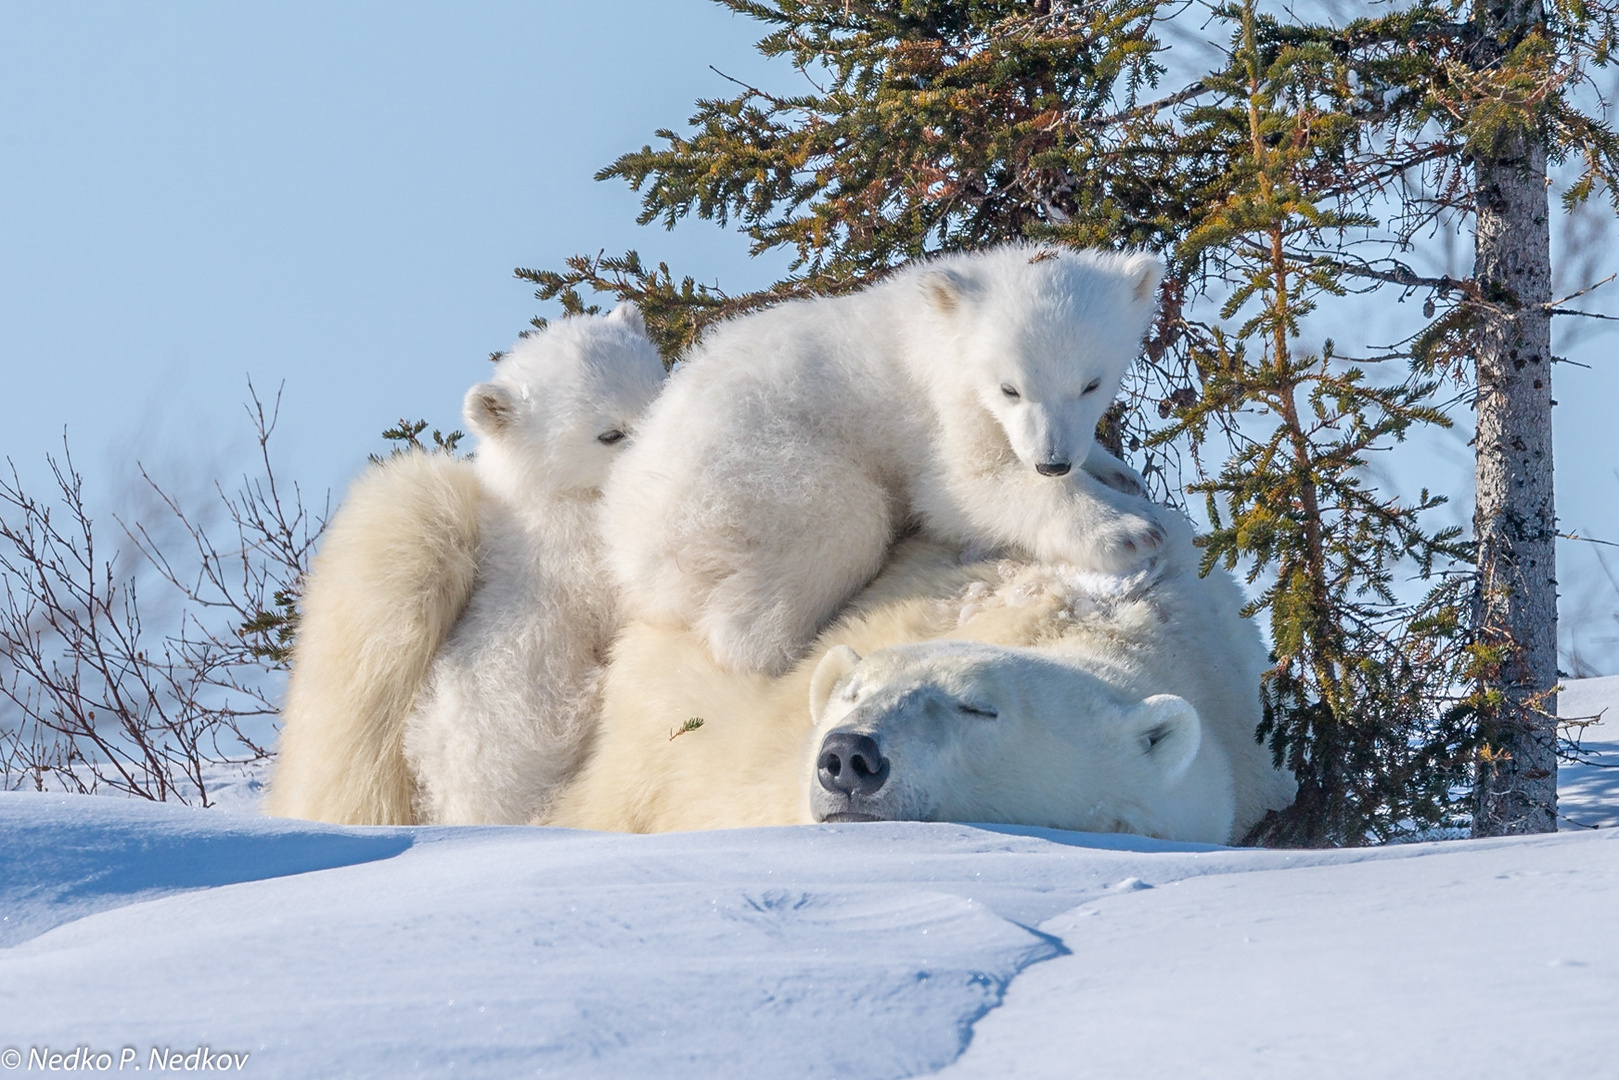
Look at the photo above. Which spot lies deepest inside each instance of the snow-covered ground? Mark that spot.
(1588, 793)
(848, 950)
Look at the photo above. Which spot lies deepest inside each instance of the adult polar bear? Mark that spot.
(1122, 704)
(770, 479)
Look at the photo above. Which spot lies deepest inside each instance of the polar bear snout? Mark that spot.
(1053, 468)
(851, 764)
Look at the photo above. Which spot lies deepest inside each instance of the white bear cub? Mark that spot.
(512, 696)
(961, 395)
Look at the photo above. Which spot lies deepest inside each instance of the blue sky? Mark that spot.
(334, 196)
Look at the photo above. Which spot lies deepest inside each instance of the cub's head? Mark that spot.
(961, 731)
(1040, 337)
(564, 402)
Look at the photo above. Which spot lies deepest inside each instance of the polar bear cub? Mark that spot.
(513, 694)
(961, 395)
(457, 616)
(964, 731)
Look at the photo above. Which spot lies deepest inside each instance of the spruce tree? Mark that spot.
(1515, 524)
(1305, 168)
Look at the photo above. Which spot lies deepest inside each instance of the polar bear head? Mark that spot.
(563, 403)
(1040, 338)
(962, 731)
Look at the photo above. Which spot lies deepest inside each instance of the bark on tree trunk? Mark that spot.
(1515, 521)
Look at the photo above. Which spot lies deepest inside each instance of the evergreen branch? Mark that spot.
(751, 89)
(1401, 275)
(1151, 108)
(1389, 170)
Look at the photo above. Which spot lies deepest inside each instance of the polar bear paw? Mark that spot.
(1128, 544)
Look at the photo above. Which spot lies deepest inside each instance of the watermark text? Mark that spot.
(88, 1059)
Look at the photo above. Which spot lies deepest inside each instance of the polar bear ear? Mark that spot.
(630, 315)
(1144, 272)
(1167, 730)
(489, 409)
(833, 669)
(947, 290)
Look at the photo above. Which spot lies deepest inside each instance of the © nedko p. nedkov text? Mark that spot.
(160, 1059)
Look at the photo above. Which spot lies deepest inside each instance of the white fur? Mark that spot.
(794, 445)
(1125, 704)
(395, 569)
(963, 731)
(502, 714)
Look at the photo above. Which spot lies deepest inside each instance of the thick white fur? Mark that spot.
(482, 707)
(792, 447)
(963, 731)
(513, 694)
(1083, 658)
(394, 571)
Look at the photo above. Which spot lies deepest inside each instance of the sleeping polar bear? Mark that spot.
(994, 691)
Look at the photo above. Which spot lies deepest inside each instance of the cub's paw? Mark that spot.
(1128, 544)
(743, 647)
(1115, 474)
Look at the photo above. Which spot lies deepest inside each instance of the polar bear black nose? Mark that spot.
(851, 764)
(1053, 468)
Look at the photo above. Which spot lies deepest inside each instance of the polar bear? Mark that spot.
(793, 445)
(963, 731)
(456, 620)
(1122, 703)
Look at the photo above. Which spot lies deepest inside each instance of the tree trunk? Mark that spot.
(1515, 521)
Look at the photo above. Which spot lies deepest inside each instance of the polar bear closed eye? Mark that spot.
(960, 395)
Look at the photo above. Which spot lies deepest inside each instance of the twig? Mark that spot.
(1586, 539)
(1582, 314)
(1576, 295)
(750, 88)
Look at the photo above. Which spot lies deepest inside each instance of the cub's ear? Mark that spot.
(947, 290)
(630, 315)
(1166, 729)
(832, 670)
(489, 409)
(1144, 272)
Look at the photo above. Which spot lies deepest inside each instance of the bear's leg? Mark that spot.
(1114, 473)
(1076, 519)
(763, 614)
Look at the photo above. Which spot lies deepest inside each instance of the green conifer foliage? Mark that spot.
(1302, 170)
(1359, 702)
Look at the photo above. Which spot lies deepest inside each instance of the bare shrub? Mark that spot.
(92, 697)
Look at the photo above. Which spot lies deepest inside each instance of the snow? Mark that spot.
(1588, 793)
(884, 950)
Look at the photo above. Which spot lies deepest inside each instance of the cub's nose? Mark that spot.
(851, 764)
(1053, 468)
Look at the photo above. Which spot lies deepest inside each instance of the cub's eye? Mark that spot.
(608, 438)
(1090, 386)
(971, 708)
(1010, 391)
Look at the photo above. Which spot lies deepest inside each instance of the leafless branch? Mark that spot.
(91, 697)
(1586, 539)
(1593, 287)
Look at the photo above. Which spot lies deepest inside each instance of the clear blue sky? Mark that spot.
(334, 196)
